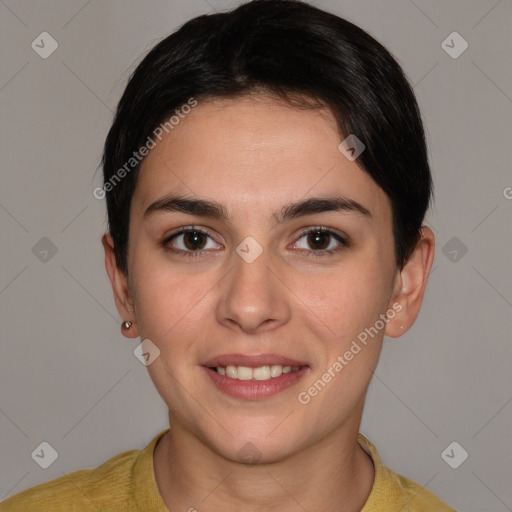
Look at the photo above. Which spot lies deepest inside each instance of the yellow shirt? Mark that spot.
(126, 483)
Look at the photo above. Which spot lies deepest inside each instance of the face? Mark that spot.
(263, 286)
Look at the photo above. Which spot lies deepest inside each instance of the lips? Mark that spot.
(252, 361)
(255, 389)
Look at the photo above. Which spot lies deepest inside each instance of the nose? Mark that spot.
(253, 298)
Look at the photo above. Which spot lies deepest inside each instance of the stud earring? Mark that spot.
(126, 324)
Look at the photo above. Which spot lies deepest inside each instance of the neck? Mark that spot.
(334, 474)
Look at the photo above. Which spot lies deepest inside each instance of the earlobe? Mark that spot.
(411, 284)
(120, 289)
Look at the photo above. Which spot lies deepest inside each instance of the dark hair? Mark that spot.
(290, 50)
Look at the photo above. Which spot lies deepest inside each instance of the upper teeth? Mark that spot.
(259, 373)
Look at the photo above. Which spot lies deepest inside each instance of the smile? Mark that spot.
(259, 373)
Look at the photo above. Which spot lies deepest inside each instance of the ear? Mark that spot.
(410, 285)
(119, 282)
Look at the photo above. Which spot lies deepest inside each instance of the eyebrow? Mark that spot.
(215, 210)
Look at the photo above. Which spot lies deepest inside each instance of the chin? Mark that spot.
(256, 444)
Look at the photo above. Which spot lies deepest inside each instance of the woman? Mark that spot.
(266, 178)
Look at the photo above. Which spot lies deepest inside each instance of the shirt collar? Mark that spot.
(146, 495)
(387, 488)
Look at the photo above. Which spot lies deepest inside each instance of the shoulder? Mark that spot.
(418, 498)
(392, 491)
(83, 490)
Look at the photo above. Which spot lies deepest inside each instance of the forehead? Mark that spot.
(254, 151)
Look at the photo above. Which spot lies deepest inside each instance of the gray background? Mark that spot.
(68, 377)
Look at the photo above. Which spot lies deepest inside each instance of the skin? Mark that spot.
(254, 155)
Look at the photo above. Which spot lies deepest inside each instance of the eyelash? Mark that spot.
(315, 254)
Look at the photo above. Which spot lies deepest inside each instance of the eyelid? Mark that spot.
(323, 229)
(186, 229)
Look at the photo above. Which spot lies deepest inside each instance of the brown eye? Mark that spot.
(318, 240)
(322, 241)
(189, 242)
(194, 240)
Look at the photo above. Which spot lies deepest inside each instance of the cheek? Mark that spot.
(166, 300)
(169, 313)
(349, 299)
(349, 306)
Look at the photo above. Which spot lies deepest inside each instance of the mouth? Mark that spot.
(254, 377)
(253, 367)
